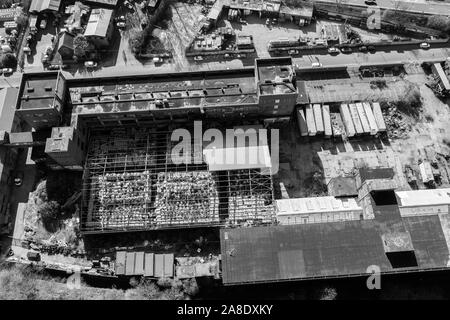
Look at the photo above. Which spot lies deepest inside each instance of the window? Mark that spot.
(277, 100)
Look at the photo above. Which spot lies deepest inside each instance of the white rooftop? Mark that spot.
(315, 205)
(423, 197)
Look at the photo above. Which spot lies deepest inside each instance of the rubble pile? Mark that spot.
(249, 201)
(124, 199)
(186, 197)
(127, 187)
(396, 122)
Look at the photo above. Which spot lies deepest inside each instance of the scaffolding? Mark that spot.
(131, 183)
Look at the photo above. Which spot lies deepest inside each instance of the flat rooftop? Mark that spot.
(275, 76)
(37, 91)
(178, 90)
(326, 250)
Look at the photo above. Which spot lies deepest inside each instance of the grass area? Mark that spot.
(20, 282)
(47, 220)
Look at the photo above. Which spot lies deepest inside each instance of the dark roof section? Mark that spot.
(294, 252)
(66, 40)
(37, 90)
(376, 173)
(111, 3)
(342, 187)
(302, 97)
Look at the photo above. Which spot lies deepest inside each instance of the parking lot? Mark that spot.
(265, 33)
(38, 47)
(326, 91)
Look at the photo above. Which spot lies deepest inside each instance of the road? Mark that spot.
(383, 55)
(391, 56)
(423, 7)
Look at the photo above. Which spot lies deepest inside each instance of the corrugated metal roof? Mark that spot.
(98, 22)
(120, 262)
(41, 5)
(315, 205)
(440, 72)
(277, 253)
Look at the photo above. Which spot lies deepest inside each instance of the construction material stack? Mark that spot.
(347, 119)
(302, 122)
(317, 110)
(363, 118)
(355, 118)
(327, 120)
(336, 124)
(370, 118)
(186, 198)
(378, 117)
(123, 198)
(310, 120)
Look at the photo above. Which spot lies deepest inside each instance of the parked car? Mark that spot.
(363, 49)
(120, 18)
(7, 70)
(198, 58)
(425, 45)
(121, 25)
(370, 2)
(371, 49)
(90, 64)
(242, 21)
(27, 50)
(18, 178)
(43, 24)
(128, 5)
(157, 60)
(227, 56)
(53, 67)
(333, 50)
(346, 50)
(316, 65)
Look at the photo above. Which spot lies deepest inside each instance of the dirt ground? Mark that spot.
(429, 137)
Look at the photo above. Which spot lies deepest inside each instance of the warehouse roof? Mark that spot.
(315, 205)
(37, 91)
(280, 253)
(98, 22)
(8, 97)
(42, 5)
(423, 197)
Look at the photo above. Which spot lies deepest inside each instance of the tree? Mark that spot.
(439, 23)
(21, 21)
(136, 40)
(49, 210)
(9, 60)
(80, 45)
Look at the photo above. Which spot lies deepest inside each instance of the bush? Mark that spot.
(80, 45)
(8, 60)
(49, 211)
(136, 41)
(328, 293)
(439, 23)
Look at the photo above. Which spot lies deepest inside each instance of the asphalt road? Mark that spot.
(427, 7)
(399, 55)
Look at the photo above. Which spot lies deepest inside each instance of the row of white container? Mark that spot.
(356, 118)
